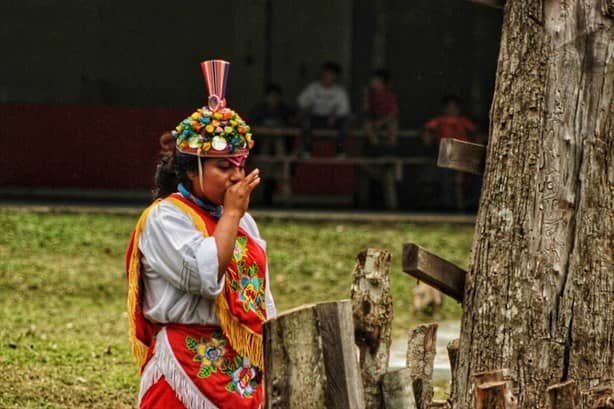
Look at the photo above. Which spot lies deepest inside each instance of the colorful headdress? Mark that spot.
(214, 130)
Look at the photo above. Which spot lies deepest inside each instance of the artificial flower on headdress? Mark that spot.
(208, 133)
(214, 130)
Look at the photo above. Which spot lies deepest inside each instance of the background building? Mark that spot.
(87, 87)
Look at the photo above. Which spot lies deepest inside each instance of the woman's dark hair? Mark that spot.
(172, 170)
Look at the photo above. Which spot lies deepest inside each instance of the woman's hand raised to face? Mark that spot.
(236, 198)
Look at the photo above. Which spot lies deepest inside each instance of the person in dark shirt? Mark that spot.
(272, 112)
(382, 113)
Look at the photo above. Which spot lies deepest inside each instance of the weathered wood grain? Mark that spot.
(421, 350)
(372, 313)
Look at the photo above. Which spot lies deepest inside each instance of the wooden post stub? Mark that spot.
(453, 347)
(491, 395)
(421, 350)
(372, 312)
(463, 156)
(397, 389)
(563, 395)
(310, 359)
(434, 271)
(494, 390)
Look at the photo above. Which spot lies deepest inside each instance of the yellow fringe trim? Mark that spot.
(139, 349)
(245, 341)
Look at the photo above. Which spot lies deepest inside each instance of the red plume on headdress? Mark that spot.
(216, 77)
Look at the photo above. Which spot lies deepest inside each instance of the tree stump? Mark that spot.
(397, 389)
(420, 359)
(310, 359)
(372, 312)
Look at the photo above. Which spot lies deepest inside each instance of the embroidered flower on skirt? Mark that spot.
(250, 287)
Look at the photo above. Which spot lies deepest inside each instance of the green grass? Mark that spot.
(63, 338)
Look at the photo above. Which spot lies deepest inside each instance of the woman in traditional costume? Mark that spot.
(197, 268)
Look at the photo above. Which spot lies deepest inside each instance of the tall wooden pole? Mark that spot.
(539, 296)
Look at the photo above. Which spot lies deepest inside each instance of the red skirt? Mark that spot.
(194, 366)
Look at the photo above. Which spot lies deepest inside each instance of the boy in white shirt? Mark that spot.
(325, 104)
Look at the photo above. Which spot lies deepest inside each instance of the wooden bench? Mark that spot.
(388, 169)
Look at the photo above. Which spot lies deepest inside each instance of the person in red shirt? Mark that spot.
(382, 112)
(450, 124)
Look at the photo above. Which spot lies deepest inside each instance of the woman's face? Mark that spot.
(218, 176)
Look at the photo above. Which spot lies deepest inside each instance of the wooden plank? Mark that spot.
(498, 4)
(372, 313)
(310, 359)
(563, 395)
(433, 270)
(397, 389)
(323, 133)
(421, 350)
(356, 160)
(463, 156)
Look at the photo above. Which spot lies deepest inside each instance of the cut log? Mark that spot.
(310, 359)
(453, 347)
(372, 311)
(397, 389)
(463, 156)
(563, 395)
(420, 359)
(434, 271)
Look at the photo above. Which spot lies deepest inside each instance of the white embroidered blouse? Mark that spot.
(180, 268)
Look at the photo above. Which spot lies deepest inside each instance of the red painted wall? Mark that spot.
(80, 146)
(112, 148)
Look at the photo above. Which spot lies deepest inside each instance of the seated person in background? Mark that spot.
(382, 112)
(325, 104)
(272, 112)
(450, 124)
